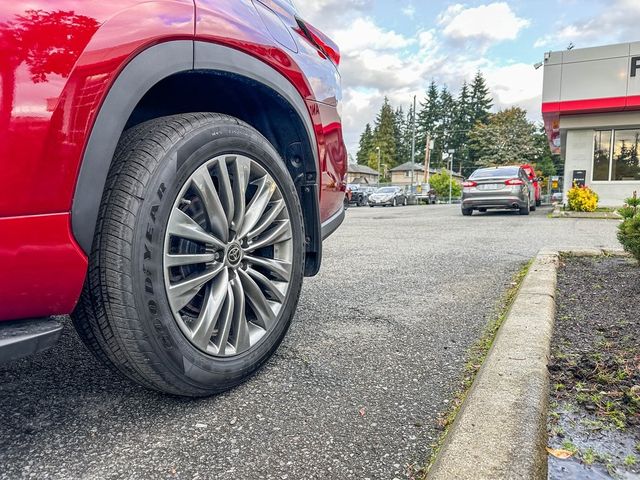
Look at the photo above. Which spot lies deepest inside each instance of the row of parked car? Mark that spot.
(361, 195)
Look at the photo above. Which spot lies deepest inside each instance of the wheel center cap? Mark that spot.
(234, 255)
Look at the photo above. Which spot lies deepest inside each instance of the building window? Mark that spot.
(617, 160)
(601, 155)
(625, 155)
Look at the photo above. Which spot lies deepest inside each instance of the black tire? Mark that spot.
(525, 210)
(538, 203)
(123, 314)
(482, 210)
(467, 212)
(346, 203)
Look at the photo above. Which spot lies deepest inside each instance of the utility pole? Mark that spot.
(427, 159)
(413, 143)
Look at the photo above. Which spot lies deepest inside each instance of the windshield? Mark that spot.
(386, 190)
(495, 172)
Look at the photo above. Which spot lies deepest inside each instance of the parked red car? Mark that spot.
(531, 173)
(169, 170)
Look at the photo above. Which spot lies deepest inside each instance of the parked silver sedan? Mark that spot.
(392, 196)
(504, 187)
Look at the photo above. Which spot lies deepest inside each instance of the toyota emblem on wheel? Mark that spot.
(234, 254)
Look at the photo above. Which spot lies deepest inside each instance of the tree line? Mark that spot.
(463, 123)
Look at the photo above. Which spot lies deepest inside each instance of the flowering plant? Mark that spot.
(582, 199)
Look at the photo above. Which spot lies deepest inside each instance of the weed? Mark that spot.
(589, 456)
(630, 460)
(569, 446)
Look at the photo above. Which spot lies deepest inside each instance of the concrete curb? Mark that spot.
(559, 213)
(500, 431)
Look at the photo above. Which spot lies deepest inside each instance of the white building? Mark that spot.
(591, 109)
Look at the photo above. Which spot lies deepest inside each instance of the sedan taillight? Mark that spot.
(469, 183)
(514, 181)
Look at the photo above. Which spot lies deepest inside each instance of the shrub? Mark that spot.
(582, 199)
(440, 183)
(629, 229)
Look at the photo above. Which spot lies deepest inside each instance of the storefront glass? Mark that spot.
(625, 155)
(621, 164)
(601, 155)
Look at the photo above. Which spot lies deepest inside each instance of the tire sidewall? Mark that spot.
(181, 358)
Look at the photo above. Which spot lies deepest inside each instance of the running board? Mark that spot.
(22, 338)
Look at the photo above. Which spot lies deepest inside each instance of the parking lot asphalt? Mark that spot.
(373, 357)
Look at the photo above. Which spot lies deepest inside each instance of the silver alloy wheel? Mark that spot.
(227, 255)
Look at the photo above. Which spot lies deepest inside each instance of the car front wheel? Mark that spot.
(197, 263)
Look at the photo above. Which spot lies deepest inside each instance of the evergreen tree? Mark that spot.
(427, 119)
(481, 101)
(384, 135)
(365, 146)
(403, 149)
(463, 117)
(444, 128)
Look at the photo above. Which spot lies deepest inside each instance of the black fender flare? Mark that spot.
(144, 71)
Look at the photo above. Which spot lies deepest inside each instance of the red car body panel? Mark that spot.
(531, 173)
(57, 64)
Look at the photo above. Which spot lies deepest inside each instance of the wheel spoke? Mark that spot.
(257, 300)
(225, 321)
(182, 225)
(210, 313)
(267, 284)
(267, 219)
(243, 340)
(224, 305)
(181, 293)
(279, 268)
(226, 191)
(258, 204)
(241, 170)
(215, 212)
(279, 233)
(188, 259)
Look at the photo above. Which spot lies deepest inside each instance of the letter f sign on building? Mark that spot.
(635, 65)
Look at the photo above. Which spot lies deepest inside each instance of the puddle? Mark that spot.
(602, 445)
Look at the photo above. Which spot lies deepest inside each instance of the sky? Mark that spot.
(395, 48)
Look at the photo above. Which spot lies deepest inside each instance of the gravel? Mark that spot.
(374, 356)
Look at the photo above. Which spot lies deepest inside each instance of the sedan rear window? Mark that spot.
(495, 172)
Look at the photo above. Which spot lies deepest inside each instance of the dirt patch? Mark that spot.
(595, 370)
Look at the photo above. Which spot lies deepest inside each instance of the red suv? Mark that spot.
(535, 181)
(168, 171)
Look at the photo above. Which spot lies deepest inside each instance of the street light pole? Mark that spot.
(413, 143)
(451, 153)
(378, 148)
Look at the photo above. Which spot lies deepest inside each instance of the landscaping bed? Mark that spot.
(594, 415)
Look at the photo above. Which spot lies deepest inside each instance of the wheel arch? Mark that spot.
(185, 68)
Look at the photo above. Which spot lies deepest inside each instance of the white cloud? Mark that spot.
(617, 21)
(490, 23)
(517, 84)
(378, 62)
(409, 10)
(363, 33)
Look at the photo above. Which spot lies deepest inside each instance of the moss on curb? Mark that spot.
(475, 358)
